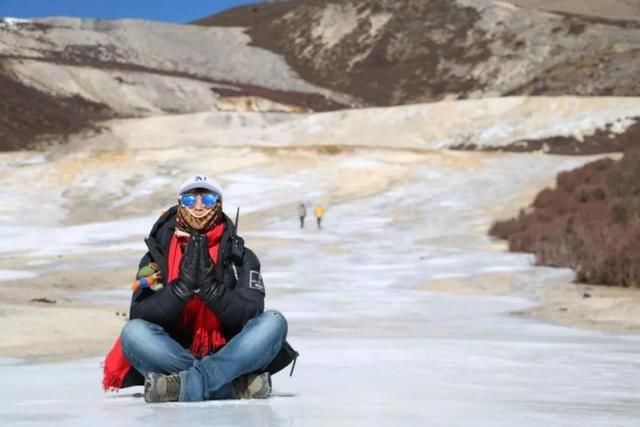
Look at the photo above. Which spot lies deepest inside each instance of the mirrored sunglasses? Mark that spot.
(189, 200)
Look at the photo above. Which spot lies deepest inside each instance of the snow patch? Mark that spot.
(6, 275)
(335, 23)
(378, 21)
(13, 22)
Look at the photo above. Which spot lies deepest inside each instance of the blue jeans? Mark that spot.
(150, 349)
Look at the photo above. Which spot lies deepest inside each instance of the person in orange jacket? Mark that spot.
(319, 214)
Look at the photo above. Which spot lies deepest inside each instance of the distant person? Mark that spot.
(319, 215)
(198, 329)
(302, 212)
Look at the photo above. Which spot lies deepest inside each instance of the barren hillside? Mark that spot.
(391, 52)
(623, 10)
(58, 76)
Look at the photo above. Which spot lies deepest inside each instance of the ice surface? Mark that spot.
(528, 376)
(377, 348)
(6, 275)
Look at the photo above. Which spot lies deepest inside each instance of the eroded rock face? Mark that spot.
(210, 55)
(255, 104)
(389, 52)
(61, 76)
(139, 62)
(614, 137)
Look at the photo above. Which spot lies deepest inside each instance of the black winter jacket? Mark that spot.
(241, 300)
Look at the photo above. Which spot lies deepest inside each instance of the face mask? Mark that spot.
(188, 222)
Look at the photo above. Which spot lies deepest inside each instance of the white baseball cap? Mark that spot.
(200, 181)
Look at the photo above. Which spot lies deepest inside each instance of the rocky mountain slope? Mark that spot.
(148, 66)
(58, 76)
(389, 52)
(623, 10)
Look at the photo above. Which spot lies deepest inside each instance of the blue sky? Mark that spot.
(158, 10)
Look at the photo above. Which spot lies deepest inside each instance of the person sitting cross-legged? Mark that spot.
(198, 329)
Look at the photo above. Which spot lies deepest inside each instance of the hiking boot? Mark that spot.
(161, 388)
(252, 386)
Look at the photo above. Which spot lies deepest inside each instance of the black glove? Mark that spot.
(187, 282)
(210, 288)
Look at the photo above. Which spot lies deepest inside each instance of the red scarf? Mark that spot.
(205, 326)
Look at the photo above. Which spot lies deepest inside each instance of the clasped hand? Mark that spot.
(197, 271)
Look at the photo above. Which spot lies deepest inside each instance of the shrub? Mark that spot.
(587, 193)
(330, 149)
(590, 222)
